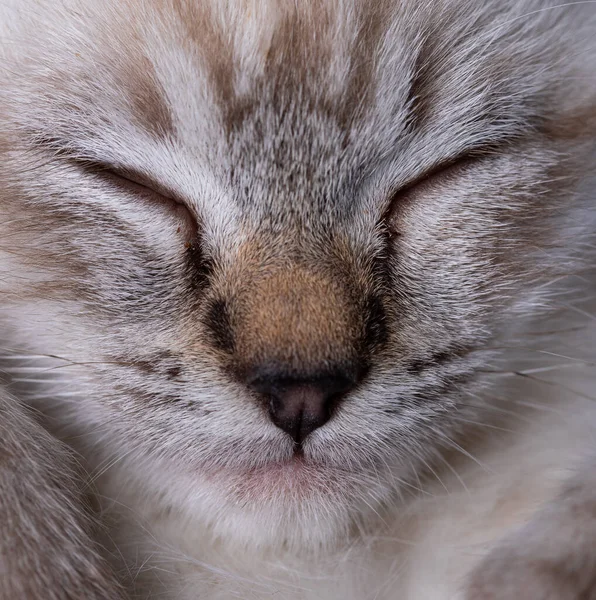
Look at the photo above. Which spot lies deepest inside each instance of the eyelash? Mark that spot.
(127, 178)
(138, 184)
(442, 170)
(133, 184)
(460, 162)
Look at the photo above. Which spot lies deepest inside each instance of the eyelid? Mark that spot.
(461, 160)
(442, 168)
(141, 184)
(138, 178)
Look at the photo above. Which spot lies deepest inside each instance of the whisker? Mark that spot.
(453, 444)
(434, 473)
(481, 424)
(452, 469)
(558, 385)
(483, 405)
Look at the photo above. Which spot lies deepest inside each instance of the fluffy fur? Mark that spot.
(191, 190)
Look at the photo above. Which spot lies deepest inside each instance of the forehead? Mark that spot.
(286, 110)
(279, 101)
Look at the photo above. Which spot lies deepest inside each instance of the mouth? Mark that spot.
(294, 465)
(296, 476)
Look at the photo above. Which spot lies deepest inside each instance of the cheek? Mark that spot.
(455, 266)
(480, 229)
(444, 248)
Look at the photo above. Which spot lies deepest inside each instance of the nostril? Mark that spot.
(299, 405)
(299, 411)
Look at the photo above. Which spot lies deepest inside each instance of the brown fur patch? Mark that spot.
(294, 51)
(576, 125)
(299, 318)
(147, 97)
(273, 307)
(135, 74)
(205, 36)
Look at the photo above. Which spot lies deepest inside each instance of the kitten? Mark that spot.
(295, 299)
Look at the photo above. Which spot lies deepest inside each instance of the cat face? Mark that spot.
(268, 248)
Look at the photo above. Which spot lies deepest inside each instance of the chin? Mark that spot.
(295, 505)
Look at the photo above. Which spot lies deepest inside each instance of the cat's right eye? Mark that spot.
(140, 186)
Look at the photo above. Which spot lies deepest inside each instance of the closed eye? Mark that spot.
(439, 174)
(143, 187)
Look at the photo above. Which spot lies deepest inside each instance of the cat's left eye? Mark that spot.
(442, 174)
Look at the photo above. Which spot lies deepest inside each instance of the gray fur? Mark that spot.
(46, 544)
(435, 156)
